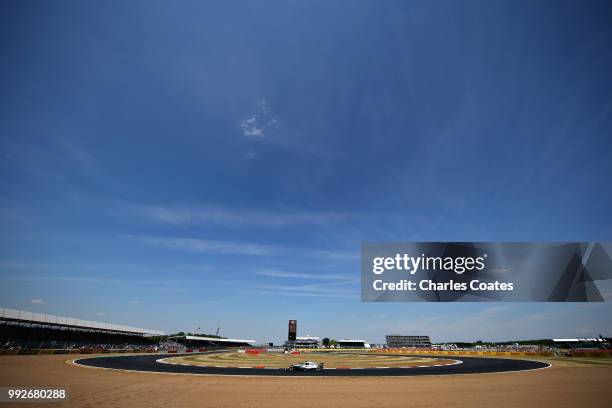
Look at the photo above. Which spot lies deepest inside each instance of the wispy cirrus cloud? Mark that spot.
(55, 267)
(207, 246)
(300, 275)
(336, 290)
(208, 215)
(239, 248)
(329, 285)
(76, 152)
(95, 282)
(37, 301)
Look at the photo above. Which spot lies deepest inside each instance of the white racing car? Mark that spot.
(306, 366)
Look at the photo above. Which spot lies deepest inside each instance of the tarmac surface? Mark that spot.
(469, 365)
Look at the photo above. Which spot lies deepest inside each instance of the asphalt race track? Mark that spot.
(470, 365)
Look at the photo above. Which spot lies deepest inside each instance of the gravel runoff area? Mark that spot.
(565, 384)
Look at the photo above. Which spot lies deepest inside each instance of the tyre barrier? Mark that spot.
(28, 352)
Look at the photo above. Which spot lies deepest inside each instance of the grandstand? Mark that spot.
(352, 343)
(581, 343)
(23, 329)
(304, 342)
(200, 341)
(399, 341)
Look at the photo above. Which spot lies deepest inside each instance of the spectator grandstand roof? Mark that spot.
(47, 319)
(214, 339)
(576, 340)
(307, 338)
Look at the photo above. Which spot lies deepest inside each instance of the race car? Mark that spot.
(306, 366)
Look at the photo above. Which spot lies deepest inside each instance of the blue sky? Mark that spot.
(201, 164)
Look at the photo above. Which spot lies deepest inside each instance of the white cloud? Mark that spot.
(37, 302)
(335, 290)
(101, 314)
(250, 128)
(299, 275)
(259, 122)
(334, 255)
(145, 285)
(91, 269)
(207, 246)
(206, 215)
(239, 248)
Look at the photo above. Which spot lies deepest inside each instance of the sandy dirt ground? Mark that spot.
(565, 385)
